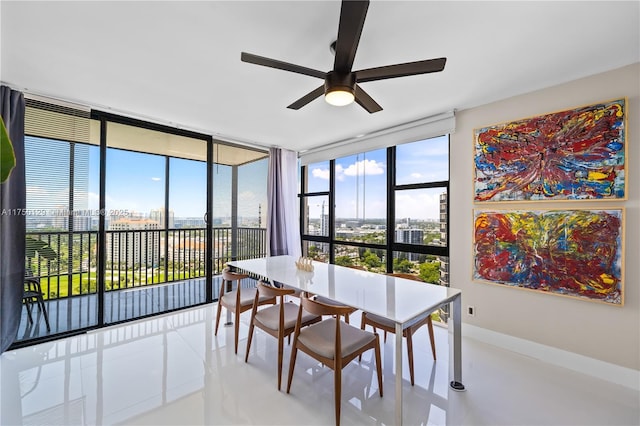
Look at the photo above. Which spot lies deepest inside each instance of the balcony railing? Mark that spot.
(136, 258)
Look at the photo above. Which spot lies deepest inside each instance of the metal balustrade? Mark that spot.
(134, 258)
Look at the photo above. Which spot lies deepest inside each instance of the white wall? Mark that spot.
(595, 330)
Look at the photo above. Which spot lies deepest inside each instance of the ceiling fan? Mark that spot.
(341, 84)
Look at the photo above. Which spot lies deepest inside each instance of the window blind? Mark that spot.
(436, 125)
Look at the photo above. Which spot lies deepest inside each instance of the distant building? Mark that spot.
(410, 236)
(444, 261)
(133, 242)
(158, 215)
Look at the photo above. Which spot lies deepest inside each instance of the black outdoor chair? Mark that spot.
(33, 295)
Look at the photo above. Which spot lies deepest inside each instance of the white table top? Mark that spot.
(397, 299)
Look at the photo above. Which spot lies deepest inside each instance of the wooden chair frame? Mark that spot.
(337, 363)
(268, 291)
(407, 332)
(235, 304)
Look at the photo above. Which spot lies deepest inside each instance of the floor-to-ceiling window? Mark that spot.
(127, 218)
(383, 210)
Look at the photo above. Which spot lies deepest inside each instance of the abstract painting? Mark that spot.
(568, 252)
(578, 154)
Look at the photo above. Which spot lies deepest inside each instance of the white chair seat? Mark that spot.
(246, 297)
(270, 316)
(320, 338)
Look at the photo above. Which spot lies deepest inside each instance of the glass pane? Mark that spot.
(418, 216)
(251, 239)
(221, 196)
(187, 236)
(361, 197)
(317, 177)
(134, 187)
(61, 220)
(187, 193)
(423, 161)
(361, 258)
(252, 194)
(47, 172)
(316, 251)
(424, 267)
(316, 215)
(221, 216)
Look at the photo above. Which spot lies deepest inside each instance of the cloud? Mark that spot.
(320, 173)
(365, 167)
(156, 179)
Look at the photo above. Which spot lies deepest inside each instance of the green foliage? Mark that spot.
(7, 155)
(430, 272)
(371, 260)
(312, 252)
(344, 261)
(401, 265)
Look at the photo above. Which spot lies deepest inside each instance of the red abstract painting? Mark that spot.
(576, 154)
(569, 252)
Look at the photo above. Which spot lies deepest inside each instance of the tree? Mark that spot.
(344, 261)
(312, 252)
(402, 265)
(430, 272)
(371, 260)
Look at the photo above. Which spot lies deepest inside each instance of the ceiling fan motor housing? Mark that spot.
(344, 82)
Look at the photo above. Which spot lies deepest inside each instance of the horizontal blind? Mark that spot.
(53, 121)
(57, 171)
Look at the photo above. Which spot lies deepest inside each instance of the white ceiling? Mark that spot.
(179, 62)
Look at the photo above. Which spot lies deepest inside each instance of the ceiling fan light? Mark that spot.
(339, 97)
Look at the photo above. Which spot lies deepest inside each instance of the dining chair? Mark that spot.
(33, 294)
(278, 320)
(237, 300)
(333, 342)
(378, 322)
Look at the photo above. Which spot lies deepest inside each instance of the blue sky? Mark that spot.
(136, 182)
(361, 181)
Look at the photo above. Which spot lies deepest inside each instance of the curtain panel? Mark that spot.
(12, 221)
(283, 226)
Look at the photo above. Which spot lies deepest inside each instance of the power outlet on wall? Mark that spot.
(471, 311)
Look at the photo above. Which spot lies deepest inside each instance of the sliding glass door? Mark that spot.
(127, 219)
(155, 202)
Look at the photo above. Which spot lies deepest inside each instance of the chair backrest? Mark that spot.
(227, 275)
(318, 308)
(406, 276)
(271, 291)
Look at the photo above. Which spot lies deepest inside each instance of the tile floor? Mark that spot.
(172, 370)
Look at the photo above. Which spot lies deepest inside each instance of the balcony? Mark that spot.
(146, 272)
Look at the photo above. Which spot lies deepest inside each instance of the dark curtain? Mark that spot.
(12, 221)
(283, 230)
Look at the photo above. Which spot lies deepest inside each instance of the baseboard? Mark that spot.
(593, 367)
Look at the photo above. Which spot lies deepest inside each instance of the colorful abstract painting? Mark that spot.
(570, 155)
(569, 252)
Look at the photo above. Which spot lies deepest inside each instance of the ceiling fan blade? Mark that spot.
(365, 101)
(307, 98)
(273, 63)
(352, 14)
(400, 70)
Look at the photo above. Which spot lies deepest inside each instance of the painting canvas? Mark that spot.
(568, 252)
(578, 154)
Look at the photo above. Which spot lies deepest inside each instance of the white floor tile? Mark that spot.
(172, 370)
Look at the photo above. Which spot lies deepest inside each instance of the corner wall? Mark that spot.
(594, 330)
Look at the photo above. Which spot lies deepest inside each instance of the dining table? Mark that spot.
(400, 300)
